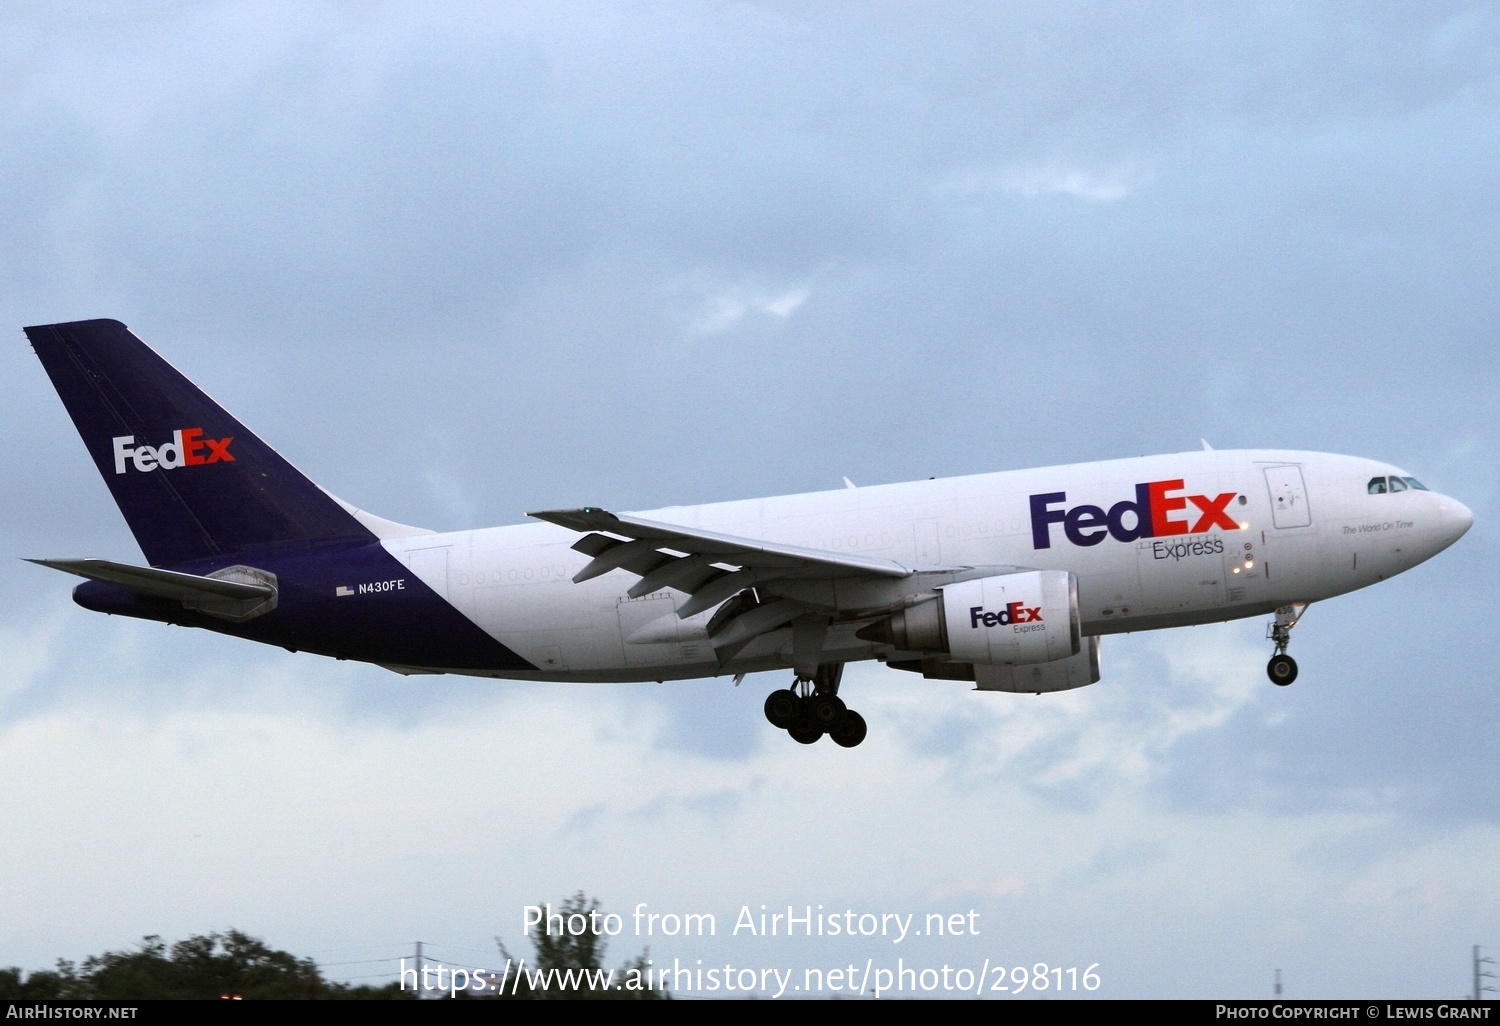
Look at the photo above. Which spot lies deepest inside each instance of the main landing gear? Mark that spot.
(1282, 669)
(812, 707)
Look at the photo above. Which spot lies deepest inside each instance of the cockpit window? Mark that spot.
(1381, 485)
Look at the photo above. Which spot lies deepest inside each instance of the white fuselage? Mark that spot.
(1305, 526)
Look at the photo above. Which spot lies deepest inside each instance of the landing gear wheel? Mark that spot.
(783, 708)
(805, 733)
(811, 707)
(850, 731)
(1282, 669)
(827, 711)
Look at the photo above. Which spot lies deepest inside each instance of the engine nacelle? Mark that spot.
(1009, 619)
(1076, 671)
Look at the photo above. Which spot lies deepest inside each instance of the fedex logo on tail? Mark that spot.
(1150, 515)
(188, 448)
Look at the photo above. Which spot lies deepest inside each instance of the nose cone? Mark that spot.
(1454, 519)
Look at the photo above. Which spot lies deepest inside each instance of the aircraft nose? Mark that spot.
(1455, 517)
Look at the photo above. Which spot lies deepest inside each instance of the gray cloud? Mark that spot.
(458, 263)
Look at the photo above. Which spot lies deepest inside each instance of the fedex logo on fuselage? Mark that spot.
(188, 448)
(1150, 515)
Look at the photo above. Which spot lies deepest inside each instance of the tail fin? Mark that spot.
(191, 481)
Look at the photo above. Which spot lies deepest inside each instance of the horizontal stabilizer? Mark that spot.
(235, 593)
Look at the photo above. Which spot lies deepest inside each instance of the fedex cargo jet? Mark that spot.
(1007, 580)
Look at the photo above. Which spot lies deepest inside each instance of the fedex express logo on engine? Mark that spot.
(188, 448)
(1013, 613)
(1151, 515)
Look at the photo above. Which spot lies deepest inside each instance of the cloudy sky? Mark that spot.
(465, 261)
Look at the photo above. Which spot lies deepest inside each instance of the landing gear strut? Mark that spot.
(1282, 669)
(811, 707)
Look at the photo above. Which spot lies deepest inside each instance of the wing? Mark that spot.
(712, 567)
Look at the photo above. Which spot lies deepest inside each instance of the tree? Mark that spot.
(210, 966)
(43, 985)
(202, 967)
(569, 965)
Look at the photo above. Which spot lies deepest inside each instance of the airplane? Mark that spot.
(1007, 579)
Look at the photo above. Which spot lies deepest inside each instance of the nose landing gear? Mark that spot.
(812, 707)
(1282, 669)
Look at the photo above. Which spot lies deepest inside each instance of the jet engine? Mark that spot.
(1009, 619)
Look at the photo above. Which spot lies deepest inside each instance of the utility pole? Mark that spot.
(1481, 975)
(1278, 983)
